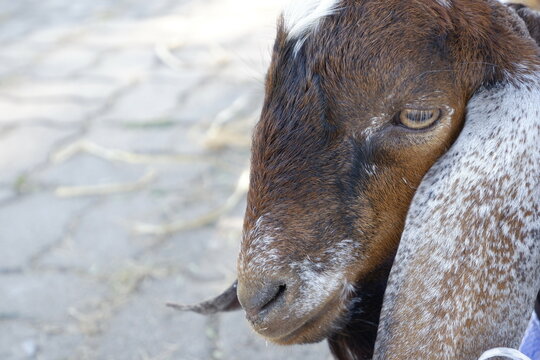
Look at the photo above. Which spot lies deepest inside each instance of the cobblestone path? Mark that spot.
(124, 132)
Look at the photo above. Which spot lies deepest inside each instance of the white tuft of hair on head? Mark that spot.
(303, 16)
(445, 3)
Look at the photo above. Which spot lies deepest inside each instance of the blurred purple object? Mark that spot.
(530, 345)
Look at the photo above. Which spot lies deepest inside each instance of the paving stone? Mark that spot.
(32, 224)
(170, 136)
(8, 9)
(195, 176)
(43, 14)
(26, 147)
(72, 13)
(122, 33)
(250, 58)
(239, 342)
(202, 56)
(154, 103)
(6, 193)
(125, 63)
(64, 62)
(151, 138)
(163, 73)
(61, 89)
(214, 22)
(46, 297)
(154, 8)
(62, 112)
(58, 346)
(17, 28)
(22, 341)
(18, 341)
(86, 170)
(146, 327)
(19, 54)
(188, 252)
(210, 99)
(103, 238)
(55, 34)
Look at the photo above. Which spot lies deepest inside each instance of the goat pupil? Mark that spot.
(420, 115)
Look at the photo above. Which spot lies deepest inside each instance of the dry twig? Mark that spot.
(118, 155)
(210, 217)
(164, 53)
(105, 189)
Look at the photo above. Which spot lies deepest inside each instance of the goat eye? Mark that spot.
(419, 119)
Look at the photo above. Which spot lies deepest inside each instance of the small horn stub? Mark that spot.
(227, 301)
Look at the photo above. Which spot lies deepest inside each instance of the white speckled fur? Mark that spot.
(315, 283)
(261, 256)
(316, 287)
(468, 265)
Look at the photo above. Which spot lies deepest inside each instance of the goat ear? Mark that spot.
(531, 19)
(476, 208)
(227, 301)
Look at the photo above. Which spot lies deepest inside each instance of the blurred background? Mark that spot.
(124, 136)
(124, 144)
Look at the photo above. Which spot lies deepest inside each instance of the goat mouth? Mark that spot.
(312, 328)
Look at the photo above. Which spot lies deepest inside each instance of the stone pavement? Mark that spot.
(124, 131)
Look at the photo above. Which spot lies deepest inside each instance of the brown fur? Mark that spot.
(312, 174)
(310, 158)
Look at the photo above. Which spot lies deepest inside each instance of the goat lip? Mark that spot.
(297, 332)
(260, 320)
(272, 324)
(278, 331)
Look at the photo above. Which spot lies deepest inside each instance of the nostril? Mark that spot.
(256, 300)
(281, 289)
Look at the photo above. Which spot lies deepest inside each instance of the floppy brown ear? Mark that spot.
(227, 301)
(530, 17)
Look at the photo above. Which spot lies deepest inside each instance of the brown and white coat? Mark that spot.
(335, 166)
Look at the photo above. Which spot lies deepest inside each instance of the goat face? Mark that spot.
(356, 111)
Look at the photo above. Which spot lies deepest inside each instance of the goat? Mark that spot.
(363, 97)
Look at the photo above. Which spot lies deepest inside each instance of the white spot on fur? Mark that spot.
(303, 16)
(317, 286)
(261, 255)
(316, 280)
(445, 3)
(375, 123)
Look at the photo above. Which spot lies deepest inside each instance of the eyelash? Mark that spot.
(421, 119)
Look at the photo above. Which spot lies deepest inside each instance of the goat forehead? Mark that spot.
(367, 41)
(303, 17)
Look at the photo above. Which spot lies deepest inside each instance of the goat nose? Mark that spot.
(257, 300)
